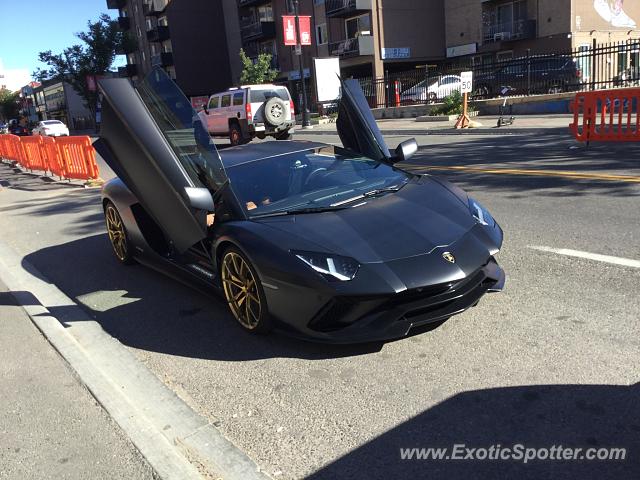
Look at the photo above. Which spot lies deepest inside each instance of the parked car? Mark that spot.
(533, 75)
(432, 90)
(250, 111)
(52, 128)
(337, 244)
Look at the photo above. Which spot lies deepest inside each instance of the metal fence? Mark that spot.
(594, 67)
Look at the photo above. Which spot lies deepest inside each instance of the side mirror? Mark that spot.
(405, 151)
(205, 110)
(200, 198)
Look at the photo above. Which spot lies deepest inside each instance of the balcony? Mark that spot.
(116, 4)
(160, 33)
(505, 32)
(353, 47)
(258, 30)
(129, 70)
(154, 7)
(346, 8)
(251, 3)
(164, 59)
(124, 23)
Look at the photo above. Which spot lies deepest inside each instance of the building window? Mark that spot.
(263, 13)
(358, 26)
(321, 34)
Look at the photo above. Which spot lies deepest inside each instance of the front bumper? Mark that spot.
(352, 319)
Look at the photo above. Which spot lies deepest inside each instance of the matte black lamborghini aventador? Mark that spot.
(334, 244)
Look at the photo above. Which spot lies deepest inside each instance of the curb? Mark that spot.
(178, 443)
(452, 131)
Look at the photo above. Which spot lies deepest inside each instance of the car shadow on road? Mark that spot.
(147, 310)
(537, 416)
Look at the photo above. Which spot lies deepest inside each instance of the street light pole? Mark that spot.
(305, 111)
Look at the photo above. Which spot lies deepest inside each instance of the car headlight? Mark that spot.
(332, 267)
(480, 213)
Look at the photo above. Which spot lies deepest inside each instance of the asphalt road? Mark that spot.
(551, 360)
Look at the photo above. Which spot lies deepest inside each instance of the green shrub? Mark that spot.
(451, 105)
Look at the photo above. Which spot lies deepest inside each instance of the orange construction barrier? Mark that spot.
(79, 157)
(11, 148)
(32, 151)
(50, 152)
(606, 116)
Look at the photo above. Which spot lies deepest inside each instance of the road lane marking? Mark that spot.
(627, 262)
(539, 173)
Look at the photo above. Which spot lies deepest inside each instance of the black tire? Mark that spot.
(243, 292)
(118, 236)
(235, 135)
(284, 136)
(275, 111)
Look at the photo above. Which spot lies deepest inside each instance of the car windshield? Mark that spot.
(315, 179)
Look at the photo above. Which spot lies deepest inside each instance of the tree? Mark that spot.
(95, 56)
(9, 106)
(258, 71)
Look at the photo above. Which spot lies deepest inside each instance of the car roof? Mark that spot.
(259, 151)
(262, 86)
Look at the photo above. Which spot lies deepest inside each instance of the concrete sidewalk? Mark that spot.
(523, 124)
(50, 425)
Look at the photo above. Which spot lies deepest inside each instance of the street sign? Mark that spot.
(290, 32)
(466, 79)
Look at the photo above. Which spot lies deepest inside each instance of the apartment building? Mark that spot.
(195, 41)
(371, 37)
(488, 30)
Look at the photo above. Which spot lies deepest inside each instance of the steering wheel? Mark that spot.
(313, 175)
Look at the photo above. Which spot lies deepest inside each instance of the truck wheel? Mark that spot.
(284, 136)
(235, 135)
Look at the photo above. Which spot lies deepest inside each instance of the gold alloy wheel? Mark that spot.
(241, 290)
(116, 232)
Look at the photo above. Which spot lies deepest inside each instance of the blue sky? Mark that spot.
(31, 26)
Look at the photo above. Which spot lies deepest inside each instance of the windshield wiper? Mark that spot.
(296, 211)
(381, 191)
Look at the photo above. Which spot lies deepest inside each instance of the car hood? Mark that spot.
(414, 221)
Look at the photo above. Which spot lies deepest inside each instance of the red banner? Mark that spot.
(290, 33)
